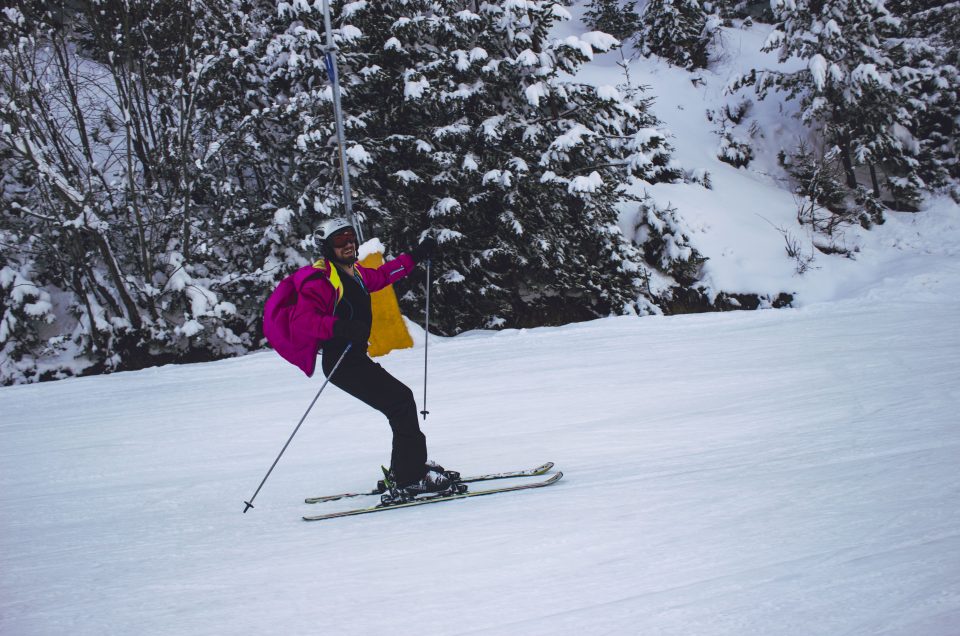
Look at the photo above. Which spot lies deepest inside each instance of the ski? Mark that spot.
(429, 499)
(532, 472)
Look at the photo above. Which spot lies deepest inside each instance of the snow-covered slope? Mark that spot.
(774, 472)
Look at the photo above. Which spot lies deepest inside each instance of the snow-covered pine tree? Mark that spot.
(929, 58)
(618, 18)
(461, 119)
(676, 30)
(752, 10)
(849, 85)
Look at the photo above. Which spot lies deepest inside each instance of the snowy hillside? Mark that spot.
(773, 472)
(741, 223)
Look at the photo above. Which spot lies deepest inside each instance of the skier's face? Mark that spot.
(341, 239)
(344, 247)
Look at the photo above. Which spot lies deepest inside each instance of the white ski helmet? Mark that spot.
(327, 229)
(331, 226)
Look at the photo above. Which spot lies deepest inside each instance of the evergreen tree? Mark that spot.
(620, 20)
(459, 120)
(930, 61)
(676, 30)
(850, 85)
(749, 10)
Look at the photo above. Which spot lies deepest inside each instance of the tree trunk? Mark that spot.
(81, 293)
(848, 163)
(133, 314)
(873, 179)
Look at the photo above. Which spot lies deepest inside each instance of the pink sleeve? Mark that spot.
(388, 273)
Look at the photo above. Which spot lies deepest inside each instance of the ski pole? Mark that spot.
(315, 398)
(426, 345)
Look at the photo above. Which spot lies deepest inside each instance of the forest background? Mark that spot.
(164, 164)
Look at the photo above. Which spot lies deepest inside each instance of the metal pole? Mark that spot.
(330, 51)
(332, 371)
(426, 345)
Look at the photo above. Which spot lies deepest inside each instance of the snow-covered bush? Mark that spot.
(735, 112)
(734, 149)
(25, 309)
(823, 202)
(665, 240)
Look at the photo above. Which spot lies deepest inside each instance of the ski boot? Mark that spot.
(434, 483)
(432, 467)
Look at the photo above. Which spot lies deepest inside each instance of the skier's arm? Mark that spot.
(388, 273)
(392, 271)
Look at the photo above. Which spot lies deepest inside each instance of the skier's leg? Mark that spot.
(370, 383)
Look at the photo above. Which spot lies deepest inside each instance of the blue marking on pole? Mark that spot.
(328, 62)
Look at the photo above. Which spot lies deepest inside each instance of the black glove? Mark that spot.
(425, 250)
(352, 330)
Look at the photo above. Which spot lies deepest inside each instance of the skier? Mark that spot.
(327, 308)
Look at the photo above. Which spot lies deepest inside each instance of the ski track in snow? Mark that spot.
(775, 472)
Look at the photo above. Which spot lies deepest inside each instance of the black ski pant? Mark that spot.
(370, 383)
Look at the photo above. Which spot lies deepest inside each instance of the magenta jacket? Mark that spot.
(298, 316)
